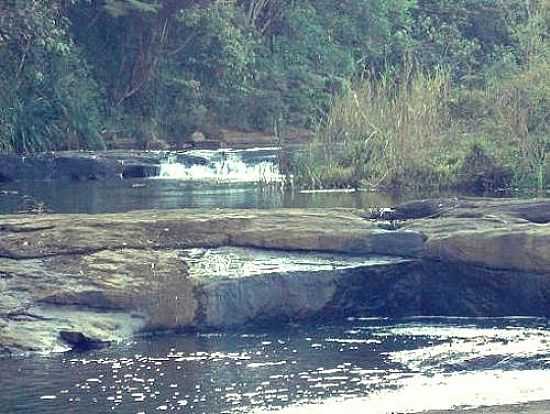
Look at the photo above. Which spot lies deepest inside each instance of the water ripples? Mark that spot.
(354, 366)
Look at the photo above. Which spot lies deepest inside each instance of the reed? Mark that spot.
(387, 130)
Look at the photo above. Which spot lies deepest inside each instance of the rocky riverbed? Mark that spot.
(86, 280)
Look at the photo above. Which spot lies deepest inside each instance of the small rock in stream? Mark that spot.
(80, 342)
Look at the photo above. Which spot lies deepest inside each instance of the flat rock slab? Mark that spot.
(493, 233)
(109, 276)
(337, 230)
(103, 272)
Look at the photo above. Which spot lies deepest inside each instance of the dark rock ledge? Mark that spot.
(88, 165)
(86, 280)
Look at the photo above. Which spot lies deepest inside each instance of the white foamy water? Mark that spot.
(440, 376)
(469, 344)
(257, 165)
(440, 392)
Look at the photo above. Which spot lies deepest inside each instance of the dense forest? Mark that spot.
(397, 92)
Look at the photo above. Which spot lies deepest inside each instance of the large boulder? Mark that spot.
(338, 230)
(109, 276)
(80, 342)
(523, 248)
(417, 209)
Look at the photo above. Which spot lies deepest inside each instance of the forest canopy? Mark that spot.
(78, 74)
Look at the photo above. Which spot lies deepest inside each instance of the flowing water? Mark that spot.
(256, 165)
(356, 365)
(196, 179)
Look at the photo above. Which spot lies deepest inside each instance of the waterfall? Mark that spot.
(256, 165)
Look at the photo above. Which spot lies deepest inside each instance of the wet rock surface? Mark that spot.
(107, 277)
(80, 342)
(80, 166)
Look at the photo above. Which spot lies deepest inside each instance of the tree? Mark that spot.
(43, 81)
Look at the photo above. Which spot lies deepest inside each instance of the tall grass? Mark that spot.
(522, 119)
(387, 130)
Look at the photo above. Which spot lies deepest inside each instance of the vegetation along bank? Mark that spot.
(397, 92)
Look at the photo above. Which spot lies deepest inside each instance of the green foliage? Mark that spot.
(465, 35)
(386, 130)
(322, 44)
(413, 128)
(365, 74)
(48, 99)
(522, 115)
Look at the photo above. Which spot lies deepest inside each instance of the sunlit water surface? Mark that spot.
(356, 365)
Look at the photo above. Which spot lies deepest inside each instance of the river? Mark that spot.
(360, 365)
(354, 365)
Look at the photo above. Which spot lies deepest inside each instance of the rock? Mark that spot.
(19, 167)
(535, 211)
(80, 342)
(7, 167)
(99, 165)
(338, 230)
(111, 276)
(38, 327)
(521, 248)
(498, 234)
(95, 274)
(209, 144)
(419, 209)
(239, 138)
(74, 165)
(132, 170)
(84, 166)
(428, 287)
(276, 297)
(190, 160)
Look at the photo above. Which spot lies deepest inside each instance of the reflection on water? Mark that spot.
(126, 195)
(358, 365)
(461, 391)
